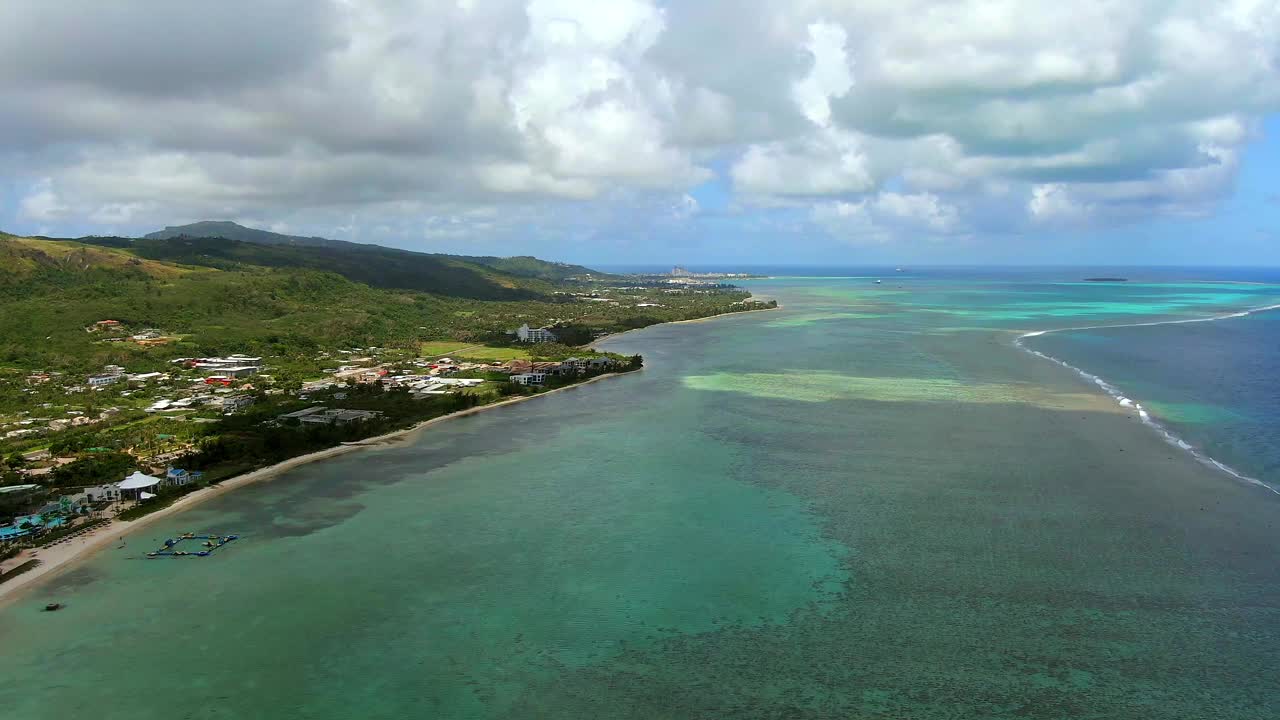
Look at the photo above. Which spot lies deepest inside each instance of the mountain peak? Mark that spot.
(228, 230)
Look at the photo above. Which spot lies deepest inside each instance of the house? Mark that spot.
(179, 477)
(517, 366)
(531, 378)
(236, 403)
(233, 371)
(524, 333)
(98, 381)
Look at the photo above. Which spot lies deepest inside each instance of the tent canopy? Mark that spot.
(138, 480)
(146, 495)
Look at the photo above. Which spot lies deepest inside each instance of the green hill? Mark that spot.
(291, 301)
(231, 231)
(386, 259)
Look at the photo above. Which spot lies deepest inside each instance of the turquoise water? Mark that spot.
(866, 504)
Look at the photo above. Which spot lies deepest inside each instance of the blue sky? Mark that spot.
(643, 131)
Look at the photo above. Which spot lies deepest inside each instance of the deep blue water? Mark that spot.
(1214, 384)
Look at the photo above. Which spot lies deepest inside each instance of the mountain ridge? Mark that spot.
(519, 265)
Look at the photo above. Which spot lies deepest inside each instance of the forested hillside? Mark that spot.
(520, 267)
(209, 296)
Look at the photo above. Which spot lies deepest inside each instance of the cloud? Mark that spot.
(890, 216)
(42, 203)
(877, 118)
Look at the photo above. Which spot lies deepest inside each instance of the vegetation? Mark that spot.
(310, 307)
(214, 296)
(93, 469)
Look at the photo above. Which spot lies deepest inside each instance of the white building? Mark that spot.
(98, 381)
(533, 378)
(534, 335)
(101, 493)
(228, 371)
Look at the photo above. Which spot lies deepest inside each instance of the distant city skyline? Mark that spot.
(643, 132)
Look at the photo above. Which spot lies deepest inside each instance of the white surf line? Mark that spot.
(1143, 415)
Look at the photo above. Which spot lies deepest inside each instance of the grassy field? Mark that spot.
(471, 351)
(433, 348)
(492, 353)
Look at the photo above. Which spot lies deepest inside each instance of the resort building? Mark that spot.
(102, 493)
(531, 378)
(524, 333)
(139, 486)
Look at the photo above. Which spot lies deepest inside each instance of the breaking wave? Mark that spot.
(1126, 402)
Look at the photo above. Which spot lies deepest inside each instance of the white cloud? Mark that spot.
(42, 204)
(890, 216)
(908, 113)
(829, 77)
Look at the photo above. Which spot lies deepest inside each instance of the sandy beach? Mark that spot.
(64, 556)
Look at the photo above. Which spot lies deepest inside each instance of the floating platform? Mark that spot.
(206, 543)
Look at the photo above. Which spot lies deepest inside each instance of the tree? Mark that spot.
(93, 469)
(15, 461)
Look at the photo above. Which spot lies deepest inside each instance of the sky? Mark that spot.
(638, 131)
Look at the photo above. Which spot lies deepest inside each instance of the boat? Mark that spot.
(52, 607)
(878, 282)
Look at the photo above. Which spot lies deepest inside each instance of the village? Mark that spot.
(118, 444)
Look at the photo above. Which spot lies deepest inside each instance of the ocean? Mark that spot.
(1209, 386)
(872, 502)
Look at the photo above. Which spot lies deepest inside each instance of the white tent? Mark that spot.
(146, 496)
(137, 481)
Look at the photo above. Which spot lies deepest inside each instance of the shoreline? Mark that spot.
(1130, 404)
(592, 345)
(57, 560)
